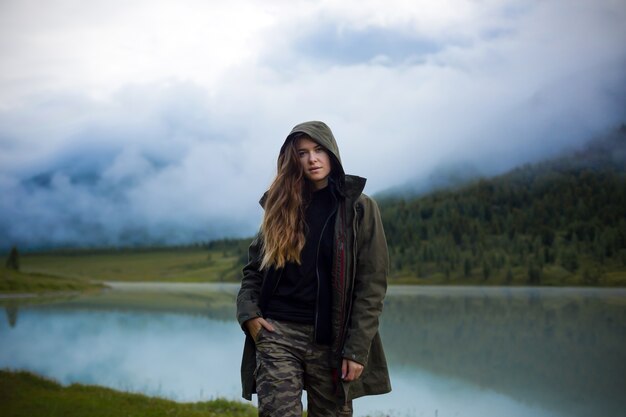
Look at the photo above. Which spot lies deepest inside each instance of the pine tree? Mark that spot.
(13, 261)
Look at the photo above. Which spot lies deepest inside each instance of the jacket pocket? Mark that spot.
(258, 335)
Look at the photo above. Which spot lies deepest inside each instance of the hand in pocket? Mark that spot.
(255, 325)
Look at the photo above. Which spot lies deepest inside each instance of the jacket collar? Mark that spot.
(350, 186)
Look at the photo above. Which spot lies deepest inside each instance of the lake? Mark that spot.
(452, 351)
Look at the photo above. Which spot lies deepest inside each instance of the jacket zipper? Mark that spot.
(351, 291)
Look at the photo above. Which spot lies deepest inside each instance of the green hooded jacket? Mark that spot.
(359, 282)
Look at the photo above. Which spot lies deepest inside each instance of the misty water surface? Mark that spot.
(452, 351)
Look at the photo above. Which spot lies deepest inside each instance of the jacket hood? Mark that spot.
(320, 133)
(346, 185)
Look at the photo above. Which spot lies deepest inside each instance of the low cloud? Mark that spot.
(140, 168)
(177, 157)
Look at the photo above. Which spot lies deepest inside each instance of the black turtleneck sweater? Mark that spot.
(304, 290)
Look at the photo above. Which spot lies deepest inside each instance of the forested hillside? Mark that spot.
(559, 222)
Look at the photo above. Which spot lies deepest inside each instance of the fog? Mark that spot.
(156, 122)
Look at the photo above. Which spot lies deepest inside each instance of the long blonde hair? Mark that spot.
(283, 227)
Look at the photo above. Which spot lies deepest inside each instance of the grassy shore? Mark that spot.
(23, 394)
(164, 265)
(12, 281)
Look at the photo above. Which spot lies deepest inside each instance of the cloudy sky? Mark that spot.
(160, 121)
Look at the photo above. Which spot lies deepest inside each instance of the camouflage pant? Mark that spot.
(289, 361)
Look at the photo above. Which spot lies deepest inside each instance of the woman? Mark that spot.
(313, 289)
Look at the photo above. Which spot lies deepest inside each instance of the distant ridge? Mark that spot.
(449, 176)
(558, 222)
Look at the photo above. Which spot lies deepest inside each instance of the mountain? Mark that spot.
(557, 222)
(448, 176)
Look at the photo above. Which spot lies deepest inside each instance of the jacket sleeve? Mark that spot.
(370, 283)
(248, 296)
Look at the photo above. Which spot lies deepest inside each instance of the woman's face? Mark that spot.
(315, 162)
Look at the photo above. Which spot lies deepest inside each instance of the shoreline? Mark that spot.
(233, 287)
(43, 294)
(27, 394)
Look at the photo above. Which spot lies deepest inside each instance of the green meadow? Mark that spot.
(23, 394)
(12, 281)
(155, 265)
(82, 270)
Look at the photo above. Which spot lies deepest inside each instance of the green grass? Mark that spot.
(173, 265)
(12, 281)
(23, 394)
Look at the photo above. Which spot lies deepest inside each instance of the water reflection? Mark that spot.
(452, 351)
(11, 310)
(560, 349)
(177, 356)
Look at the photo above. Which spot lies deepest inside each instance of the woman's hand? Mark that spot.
(350, 370)
(254, 326)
